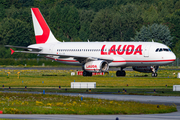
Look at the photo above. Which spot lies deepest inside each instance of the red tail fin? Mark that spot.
(43, 33)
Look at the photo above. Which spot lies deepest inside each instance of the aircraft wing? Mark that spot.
(79, 58)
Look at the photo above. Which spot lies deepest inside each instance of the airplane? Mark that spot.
(97, 56)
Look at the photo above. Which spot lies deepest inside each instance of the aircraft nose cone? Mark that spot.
(173, 56)
(170, 57)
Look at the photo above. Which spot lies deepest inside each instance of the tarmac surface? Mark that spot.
(144, 99)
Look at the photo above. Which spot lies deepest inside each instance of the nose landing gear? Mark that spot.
(154, 69)
(154, 74)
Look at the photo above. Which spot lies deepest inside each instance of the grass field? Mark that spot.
(50, 80)
(55, 78)
(13, 103)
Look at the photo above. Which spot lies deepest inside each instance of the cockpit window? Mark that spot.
(163, 49)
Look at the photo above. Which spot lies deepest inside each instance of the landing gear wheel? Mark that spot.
(120, 73)
(123, 73)
(154, 74)
(85, 73)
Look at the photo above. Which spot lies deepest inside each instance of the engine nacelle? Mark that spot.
(145, 69)
(96, 66)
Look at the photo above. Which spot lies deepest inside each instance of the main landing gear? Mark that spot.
(120, 73)
(154, 74)
(86, 73)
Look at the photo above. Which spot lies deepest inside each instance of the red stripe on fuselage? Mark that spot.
(91, 69)
(145, 60)
(118, 61)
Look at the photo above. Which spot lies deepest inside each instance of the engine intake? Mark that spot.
(96, 66)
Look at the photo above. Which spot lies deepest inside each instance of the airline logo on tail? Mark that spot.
(42, 31)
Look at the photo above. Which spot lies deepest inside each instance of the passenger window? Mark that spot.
(157, 49)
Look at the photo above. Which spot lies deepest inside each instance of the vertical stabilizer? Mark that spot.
(42, 31)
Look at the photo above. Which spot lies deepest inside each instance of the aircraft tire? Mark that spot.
(120, 73)
(90, 74)
(154, 74)
(123, 73)
(86, 73)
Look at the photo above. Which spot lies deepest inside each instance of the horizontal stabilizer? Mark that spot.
(38, 49)
(12, 51)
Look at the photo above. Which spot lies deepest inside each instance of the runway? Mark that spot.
(169, 116)
(145, 99)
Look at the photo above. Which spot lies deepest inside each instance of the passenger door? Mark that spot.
(146, 51)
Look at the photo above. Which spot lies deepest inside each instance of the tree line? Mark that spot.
(93, 20)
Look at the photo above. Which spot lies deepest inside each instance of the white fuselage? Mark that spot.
(123, 54)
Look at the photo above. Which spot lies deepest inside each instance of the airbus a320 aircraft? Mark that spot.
(97, 56)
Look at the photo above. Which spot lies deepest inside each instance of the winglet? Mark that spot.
(12, 51)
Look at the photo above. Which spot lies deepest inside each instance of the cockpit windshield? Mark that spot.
(163, 49)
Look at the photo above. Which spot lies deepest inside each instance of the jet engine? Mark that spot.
(96, 66)
(145, 69)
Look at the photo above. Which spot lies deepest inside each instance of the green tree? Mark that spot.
(150, 16)
(101, 26)
(126, 21)
(157, 32)
(65, 20)
(2, 13)
(14, 32)
(176, 49)
(173, 22)
(86, 17)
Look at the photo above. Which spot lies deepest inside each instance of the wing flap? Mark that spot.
(77, 57)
